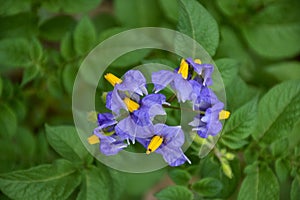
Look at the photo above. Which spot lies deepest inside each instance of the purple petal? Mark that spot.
(108, 148)
(172, 135)
(142, 116)
(125, 128)
(116, 102)
(154, 99)
(182, 87)
(161, 79)
(173, 156)
(133, 81)
(105, 120)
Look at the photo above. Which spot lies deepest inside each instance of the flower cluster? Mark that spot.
(190, 81)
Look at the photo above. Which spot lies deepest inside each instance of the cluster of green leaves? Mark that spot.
(255, 45)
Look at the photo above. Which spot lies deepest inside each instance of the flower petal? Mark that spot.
(173, 156)
(182, 87)
(161, 79)
(133, 81)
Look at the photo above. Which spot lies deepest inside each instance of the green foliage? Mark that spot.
(8, 121)
(56, 181)
(240, 125)
(55, 28)
(175, 193)
(282, 28)
(260, 183)
(70, 6)
(278, 111)
(84, 36)
(196, 22)
(207, 187)
(180, 177)
(94, 185)
(295, 192)
(255, 47)
(66, 142)
(138, 13)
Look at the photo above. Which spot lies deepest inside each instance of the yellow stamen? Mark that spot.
(183, 69)
(155, 142)
(112, 79)
(93, 139)
(224, 114)
(198, 61)
(92, 116)
(131, 105)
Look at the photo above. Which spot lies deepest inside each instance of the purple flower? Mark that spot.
(131, 86)
(110, 142)
(203, 70)
(141, 115)
(165, 140)
(208, 123)
(180, 79)
(202, 96)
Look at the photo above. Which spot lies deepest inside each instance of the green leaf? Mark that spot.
(36, 51)
(1, 86)
(29, 74)
(54, 85)
(95, 185)
(251, 155)
(15, 52)
(294, 136)
(65, 141)
(228, 69)
(104, 21)
(282, 169)
(279, 147)
(129, 58)
(84, 36)
(231, 46)
(284, 70)
(238, 93)
(180, 177)
(8, 121)
(175, 193)
(67, 47)
(260, 183)
(19, 108)
(273, 32)
(278, 111)
(196, 22)
(14, 6)
(138, 13)
(9, 155)
(208, 187)
(240, 125)
(230, 185)
(71, 6)
(55, 28)
(26, 146)
(55, 181)
(171, 9)
(295, 192)
(68, 77)
(20, 25)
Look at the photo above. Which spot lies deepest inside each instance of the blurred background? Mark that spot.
(42, 44)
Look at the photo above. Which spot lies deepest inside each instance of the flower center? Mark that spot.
(131, 105)
(155, 142)
(224, 114)
(112, 79)
(93, 139)
(183, 69)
